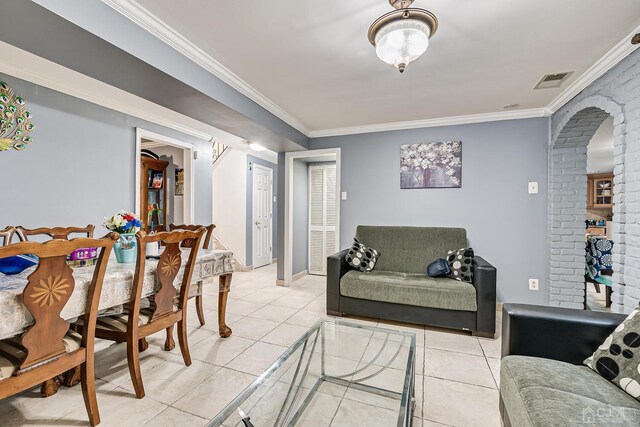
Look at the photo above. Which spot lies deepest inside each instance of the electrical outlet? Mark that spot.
(533, 284)
(344, 195)
(533, 187)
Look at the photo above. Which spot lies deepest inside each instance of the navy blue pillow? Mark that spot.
(438, 268)
(17, 264)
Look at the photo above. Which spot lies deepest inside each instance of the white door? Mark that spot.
(262, 215)
(322, 217)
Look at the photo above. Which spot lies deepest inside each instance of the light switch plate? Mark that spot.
(344, 195)
(533, 284)
(533, 187)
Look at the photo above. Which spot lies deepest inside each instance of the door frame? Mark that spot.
(189, 188)
(253, 210)
(327, 155)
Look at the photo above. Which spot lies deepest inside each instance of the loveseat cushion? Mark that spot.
(409, 289)
(410, 249)
(545, 392)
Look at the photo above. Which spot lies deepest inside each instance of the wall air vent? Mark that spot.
(552, 80)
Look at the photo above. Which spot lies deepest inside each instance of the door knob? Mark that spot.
(258, 224)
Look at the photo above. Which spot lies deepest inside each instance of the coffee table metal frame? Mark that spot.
(309, 340)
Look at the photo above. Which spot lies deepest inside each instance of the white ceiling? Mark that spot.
(600, 149)
(313, 60)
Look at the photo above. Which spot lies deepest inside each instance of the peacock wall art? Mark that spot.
(15, 120)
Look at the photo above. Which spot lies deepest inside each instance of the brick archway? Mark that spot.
(568, 200)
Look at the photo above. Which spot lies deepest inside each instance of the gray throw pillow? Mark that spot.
(361, 257)
(618, 358)
(461, 264)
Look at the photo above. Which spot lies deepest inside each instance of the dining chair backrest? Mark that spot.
(206, 239)
(49, 288)
(7, 235)
(54, 232)
(166, 272)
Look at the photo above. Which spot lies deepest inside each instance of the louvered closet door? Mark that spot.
(322, 217)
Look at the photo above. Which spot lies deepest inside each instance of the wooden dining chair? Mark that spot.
(197, 294)
(7, 235)
(49, 348)
(136, 323)
(55, 232)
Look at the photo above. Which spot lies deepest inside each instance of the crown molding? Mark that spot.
(155, 26)
(620, 51)
(444, 121)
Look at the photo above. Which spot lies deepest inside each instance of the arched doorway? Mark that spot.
(568, 201)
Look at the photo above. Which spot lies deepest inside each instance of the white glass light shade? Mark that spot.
(401, 42)
(256, 147)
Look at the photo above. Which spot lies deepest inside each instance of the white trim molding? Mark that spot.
(188, 149)
(331, 154)
(154, 25)
(620, 51)
(444, 121)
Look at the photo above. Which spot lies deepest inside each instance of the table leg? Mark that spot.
(608, 296)
(225, 284)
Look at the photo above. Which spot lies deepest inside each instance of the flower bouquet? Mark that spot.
(126, 224)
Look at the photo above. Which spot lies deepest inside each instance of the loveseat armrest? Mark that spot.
(484, 280)
(337, 267)
(563, 334)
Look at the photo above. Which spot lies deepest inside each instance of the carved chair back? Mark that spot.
(6, 235)
(166, 272)
(55, 232)
(48, 290)
(206, 239)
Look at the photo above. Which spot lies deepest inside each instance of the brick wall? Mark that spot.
(616, 94)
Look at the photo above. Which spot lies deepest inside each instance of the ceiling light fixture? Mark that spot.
(256, 147)
(402, 36)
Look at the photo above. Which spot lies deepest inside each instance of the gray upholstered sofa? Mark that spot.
(399, 289)
(543, 381)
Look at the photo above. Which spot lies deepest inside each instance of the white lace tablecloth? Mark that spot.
(116, 290)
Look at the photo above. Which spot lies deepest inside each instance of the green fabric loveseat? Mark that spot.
(399, 289)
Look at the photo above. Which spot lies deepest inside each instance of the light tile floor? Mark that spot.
(456, 382)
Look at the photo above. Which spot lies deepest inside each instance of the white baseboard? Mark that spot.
(295, 277)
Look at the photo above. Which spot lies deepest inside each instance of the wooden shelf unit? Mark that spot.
(151, 196)
(600, 190)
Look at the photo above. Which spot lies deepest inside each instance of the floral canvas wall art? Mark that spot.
(431, 165)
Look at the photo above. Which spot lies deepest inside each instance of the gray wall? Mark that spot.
(300, 216)
(274, 238)
(80, 167)
(504, 223)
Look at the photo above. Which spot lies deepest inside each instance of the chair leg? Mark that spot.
(182, 340)
(143, 345)
(133, 359)
(199, 309)
(597, 286)
(88, 384)
(169, 343)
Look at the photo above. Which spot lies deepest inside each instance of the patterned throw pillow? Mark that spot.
(461, 264)
(617, 359)
(361, 257)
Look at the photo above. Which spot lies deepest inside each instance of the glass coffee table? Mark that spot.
(337, 374)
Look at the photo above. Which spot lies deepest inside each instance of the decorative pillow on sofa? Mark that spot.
(361, 257)
(617, 359)
(461, 264)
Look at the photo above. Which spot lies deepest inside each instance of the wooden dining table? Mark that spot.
(116, 290)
